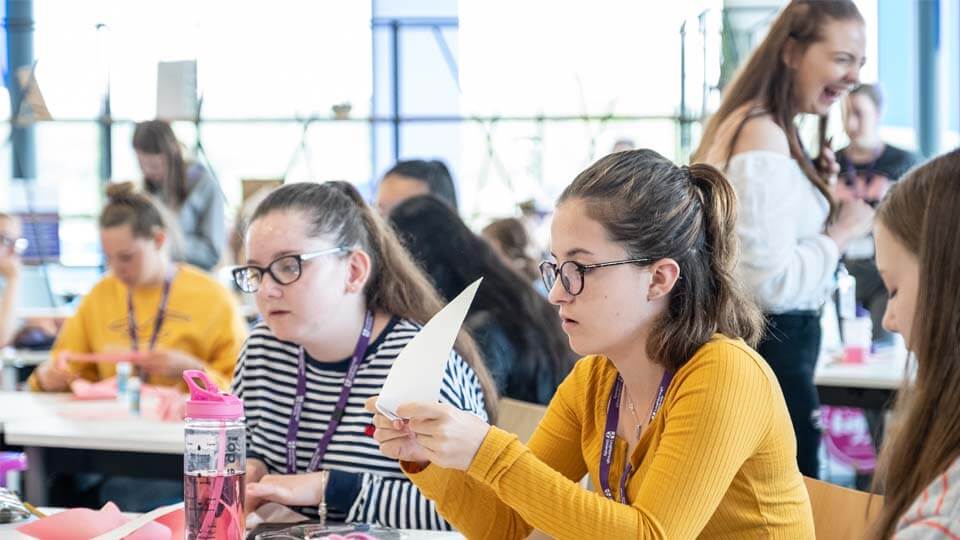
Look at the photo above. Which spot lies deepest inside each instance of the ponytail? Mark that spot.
(396, 284)
(735, 314)
(695, 209)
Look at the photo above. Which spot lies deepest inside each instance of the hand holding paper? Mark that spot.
(417, 373)
(435, 433)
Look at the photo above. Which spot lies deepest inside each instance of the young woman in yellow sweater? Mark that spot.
(680, 424)
(178, 317)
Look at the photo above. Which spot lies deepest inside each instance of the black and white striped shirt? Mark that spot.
(365, 485)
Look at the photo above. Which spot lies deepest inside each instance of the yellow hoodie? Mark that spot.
(202, 319)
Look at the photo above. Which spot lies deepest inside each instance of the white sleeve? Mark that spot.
(785, 266)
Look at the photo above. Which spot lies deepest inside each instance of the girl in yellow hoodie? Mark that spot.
(174, 315)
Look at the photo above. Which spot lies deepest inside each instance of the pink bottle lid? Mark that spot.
(208, 402)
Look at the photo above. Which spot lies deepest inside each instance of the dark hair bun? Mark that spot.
(120, 191)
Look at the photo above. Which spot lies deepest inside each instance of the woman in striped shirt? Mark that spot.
(339, 298)
(916, 235)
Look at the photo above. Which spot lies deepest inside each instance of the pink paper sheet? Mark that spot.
(84, 389)
(111, 357)
(84, 523)
(168, 403)
(176, 522)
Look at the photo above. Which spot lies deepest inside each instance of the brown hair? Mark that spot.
(156, 137)
(125, 206)
(766, 79)
(513, 240)
(872, 91)
(396, 284)
(923, 213)
(657, 210)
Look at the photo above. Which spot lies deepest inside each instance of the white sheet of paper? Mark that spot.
(417, 373)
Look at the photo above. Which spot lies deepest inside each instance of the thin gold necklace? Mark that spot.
(633, 411)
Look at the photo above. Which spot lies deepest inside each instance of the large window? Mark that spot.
(263, 69)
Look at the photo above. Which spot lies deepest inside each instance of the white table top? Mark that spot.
(16, 406)
(884, 371)
(57, 421)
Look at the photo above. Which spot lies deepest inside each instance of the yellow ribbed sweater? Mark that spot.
(719, 461)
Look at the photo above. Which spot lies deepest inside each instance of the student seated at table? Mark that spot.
(415, 177)
(340, 299)
(177, 316)
(514, 327)
(680, 424)
(11, 246)
(918, 255)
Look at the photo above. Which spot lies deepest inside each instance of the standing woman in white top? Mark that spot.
(791, 232)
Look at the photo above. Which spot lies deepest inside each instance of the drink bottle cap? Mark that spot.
(207, 402)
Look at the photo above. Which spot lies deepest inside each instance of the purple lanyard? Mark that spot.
(161, 313)
(294, 426)
(610, 434)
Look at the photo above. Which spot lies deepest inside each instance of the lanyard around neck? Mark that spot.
(294, 426)
(610, 434)
(161, 313)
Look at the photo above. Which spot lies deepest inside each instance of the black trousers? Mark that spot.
(791, 345)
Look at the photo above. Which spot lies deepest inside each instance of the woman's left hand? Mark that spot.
(451, 437)
(287, 489)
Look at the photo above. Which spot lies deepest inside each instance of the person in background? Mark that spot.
(790, 228)
(680, 424)
(175, 315)
(11, 247)
(187, 189)
(918, 254)
(508, 238)
(515, 328)
(623, 144)
(340, 299)
(868, 168)
(415, 177)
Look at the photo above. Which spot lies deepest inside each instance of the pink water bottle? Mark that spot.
(214, 462)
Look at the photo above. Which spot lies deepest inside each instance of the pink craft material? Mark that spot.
(176, 522)
(351, 536)
(111, 357)
(108, 357)
(170, 402)
(83, 389)
(84, 523)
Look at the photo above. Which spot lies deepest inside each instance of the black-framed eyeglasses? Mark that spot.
(14, 245)
(284, 270)
(571, 273)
